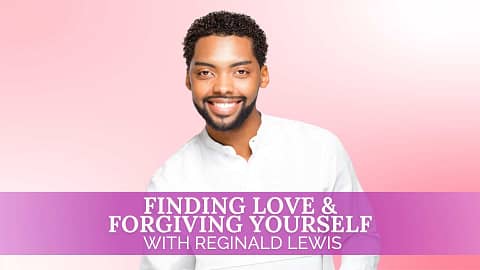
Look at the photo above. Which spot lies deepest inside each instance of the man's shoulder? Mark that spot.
(175, 166)
(299, 130)
(190, 148)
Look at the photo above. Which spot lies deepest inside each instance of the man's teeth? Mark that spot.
(224, 105)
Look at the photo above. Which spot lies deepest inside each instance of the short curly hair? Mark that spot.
(224, 23)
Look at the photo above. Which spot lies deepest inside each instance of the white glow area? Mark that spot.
(428, 21)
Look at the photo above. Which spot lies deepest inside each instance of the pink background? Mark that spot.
(92, 95)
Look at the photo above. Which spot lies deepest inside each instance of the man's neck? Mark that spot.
(239, 138)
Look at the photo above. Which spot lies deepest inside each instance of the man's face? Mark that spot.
(224, 77)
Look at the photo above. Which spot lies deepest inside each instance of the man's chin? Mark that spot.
(222, 124)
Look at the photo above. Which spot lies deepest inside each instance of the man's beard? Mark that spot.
(244, 113)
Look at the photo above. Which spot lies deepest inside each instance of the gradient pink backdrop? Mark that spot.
(92, 95)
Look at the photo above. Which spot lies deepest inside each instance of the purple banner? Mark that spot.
(239, 223)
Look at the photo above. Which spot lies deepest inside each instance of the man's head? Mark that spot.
(225, 55)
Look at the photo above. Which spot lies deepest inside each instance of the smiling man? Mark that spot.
(240, 148)
(224, 76)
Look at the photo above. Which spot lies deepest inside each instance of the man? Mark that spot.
(242, 149)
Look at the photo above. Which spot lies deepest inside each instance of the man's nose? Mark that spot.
(223, 85)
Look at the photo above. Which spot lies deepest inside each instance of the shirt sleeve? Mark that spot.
(347, 181)
(168, 262)
(165, 262)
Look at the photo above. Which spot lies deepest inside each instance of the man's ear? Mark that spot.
(188, 84)
(264, 77)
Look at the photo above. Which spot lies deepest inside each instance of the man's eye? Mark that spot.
(242, 72)
(204, 73)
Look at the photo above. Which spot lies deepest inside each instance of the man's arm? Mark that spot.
(165, 262)
(346, 181)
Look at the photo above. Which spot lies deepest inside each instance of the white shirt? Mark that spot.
(287, 156)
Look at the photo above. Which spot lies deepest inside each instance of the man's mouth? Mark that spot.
(224, 107)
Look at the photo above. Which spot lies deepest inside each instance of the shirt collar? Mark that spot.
(256, 142)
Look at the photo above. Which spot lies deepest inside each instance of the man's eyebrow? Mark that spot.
(241, 63)
(198, 63)
(203, 64)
